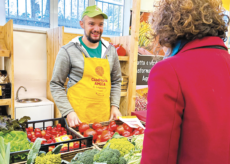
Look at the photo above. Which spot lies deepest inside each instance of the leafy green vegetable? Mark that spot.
(137, 140)
(133, 158)
(4, 152)
(7, 124)
(18, 141)
(34, 151)
(85, 157)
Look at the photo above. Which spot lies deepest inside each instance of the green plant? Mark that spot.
(4, 152)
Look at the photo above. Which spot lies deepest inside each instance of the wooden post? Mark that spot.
(133, 55)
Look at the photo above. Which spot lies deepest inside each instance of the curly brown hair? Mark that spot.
(188, 19)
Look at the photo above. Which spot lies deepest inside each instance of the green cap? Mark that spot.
(93, 11)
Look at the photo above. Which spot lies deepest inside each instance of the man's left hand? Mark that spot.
(115, 113)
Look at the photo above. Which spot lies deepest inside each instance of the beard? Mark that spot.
(90, 39)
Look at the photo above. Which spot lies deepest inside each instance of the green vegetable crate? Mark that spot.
(86, 141)
(106, 123)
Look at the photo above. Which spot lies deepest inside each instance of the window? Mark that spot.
(114, 9)
(28, 12)
(70, 11)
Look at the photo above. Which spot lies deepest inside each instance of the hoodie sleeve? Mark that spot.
(60, 73)
(115, 94)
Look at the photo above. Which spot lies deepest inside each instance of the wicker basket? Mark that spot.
(124, 83)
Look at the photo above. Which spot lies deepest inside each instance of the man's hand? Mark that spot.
(115, 113)
(73, 119)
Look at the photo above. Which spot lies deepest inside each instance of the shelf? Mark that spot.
(3, 50)
(123, 94)
(123, 58)
(4, 102)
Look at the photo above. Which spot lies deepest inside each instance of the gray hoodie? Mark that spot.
(70, 63)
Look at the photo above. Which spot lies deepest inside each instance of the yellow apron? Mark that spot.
(90, 97)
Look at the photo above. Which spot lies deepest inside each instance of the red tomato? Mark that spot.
(120, 129)
(70, 148)
(33, 139)
(63, 133)
(70, 136)
(98, 141)
(31, 129)
(27, 130)
(58, 135)
(99, 137)
(50, 141)
(58, 129)
(76, 145)
(141, 131)
(43, 133)
(111, 133)
(38, 134)
(62, 129)
(29, 136)
(96, 125)
(126, 134)
(32, 133)
(127, 128)
(52, 137)
(50, 148)
(112, 122)
(83, 127)
(63, 149)
(90, 132)
(121, 51)
(47, 136)
(43, 142)
(37, 130)
(99, 131)
(49, 128)
(54, 141)
(105, 135)
(58, 125)
(136, 132)
(105, 128)
(53, 132)
(110, 129)
(112, 126)
(48, 131)
(55, 129)
(83, 145)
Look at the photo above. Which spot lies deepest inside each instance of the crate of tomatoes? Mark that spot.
(103, 131)
(54, 135)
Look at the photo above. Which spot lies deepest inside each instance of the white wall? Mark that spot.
(30, 64)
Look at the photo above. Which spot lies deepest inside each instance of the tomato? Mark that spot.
(50, 148)
(96, 125)
(76, 145)
(90, 132)
(47, 136)
(127, 128)
(58, 125)
(53, 132)
(99, 137)
(43, 133)
(71, 148)
(53, 137)
(120, 129)
(136, 132)
(105, 135)
(38, 134)
(49, 141)
(63, 133)
(142, 131)
(58, 129)
(105, 128)
(58, 135)
(62, 129)
(99, 131)
(110, 129)
(32, 133)
(112, 123)
(126, 134)
(111, 133)
(37, 130)
(48, 131)
(98, 141)
(83, 145)
(31, 129)
(64, 149)
(120, 51)
(113, 127)
(70, 136)
(49, 128)
(43, 142)
(83, 127)
(27, 130)
(54, 141)
(33, 139)
(29, 136)
(55, 129)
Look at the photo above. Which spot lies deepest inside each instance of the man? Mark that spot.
(93, 69)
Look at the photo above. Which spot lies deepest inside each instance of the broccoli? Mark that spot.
(110, 156)
(84, 158)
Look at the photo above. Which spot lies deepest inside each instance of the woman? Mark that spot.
(188, 112)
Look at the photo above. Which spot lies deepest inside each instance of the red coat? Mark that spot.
(188, 112)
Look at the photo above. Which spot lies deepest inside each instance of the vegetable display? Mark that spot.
(7, 124)
(120, 143)
(109, 156)
(18, 141)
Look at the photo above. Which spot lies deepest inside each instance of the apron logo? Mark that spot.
(99, 71)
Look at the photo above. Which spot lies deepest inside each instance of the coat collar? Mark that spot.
(206, 41)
